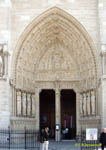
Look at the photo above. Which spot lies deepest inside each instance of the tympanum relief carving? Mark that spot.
(56, 62)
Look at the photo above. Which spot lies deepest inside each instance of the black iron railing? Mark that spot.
(19, 139)
(87, 144)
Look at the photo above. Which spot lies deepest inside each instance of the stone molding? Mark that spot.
(90, 120)
(21, 119)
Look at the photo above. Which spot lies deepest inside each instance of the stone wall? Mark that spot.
(4, 83)
(103, 103)
(102, 19)
(4, 103)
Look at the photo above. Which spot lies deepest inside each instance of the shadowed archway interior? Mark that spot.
(47, 111)
(68, 114)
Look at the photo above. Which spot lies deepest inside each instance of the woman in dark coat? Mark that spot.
(46, 139)
(103, 139)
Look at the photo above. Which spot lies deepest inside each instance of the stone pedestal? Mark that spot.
(58, 115)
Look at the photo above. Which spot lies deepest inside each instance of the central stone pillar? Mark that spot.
(37, 113)
(78, 126)
(58, 115)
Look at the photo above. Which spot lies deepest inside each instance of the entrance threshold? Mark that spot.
(68, 140)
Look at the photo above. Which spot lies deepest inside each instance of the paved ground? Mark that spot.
(64, 145)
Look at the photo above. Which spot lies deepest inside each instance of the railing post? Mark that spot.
(25, 138)
(81, 140)
(9, 135)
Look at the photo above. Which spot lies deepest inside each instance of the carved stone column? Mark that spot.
(24, 104)
(11, 100)
(6, 64)
(28, 105)
(88, 103)
(18, 103)
(81, 104)
(58, 114)
(93, 102)
(84, 104)
(37, 105)
(78, 96)
(33, 105)
(15, 105)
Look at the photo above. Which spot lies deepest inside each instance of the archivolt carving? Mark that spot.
(55, 45)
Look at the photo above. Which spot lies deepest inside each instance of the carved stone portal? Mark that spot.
(56, 48)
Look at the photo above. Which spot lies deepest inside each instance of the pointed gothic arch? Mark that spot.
(55, 29)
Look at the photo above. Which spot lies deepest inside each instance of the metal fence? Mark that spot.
(87, 144)
(19, 139)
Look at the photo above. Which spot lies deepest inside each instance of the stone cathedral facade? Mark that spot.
(52, 45)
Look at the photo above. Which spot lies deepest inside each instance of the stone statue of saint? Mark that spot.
(33, 105)
(84, 104)
(18, 103)
(24, 104)
(93, 102)
(28, 105)
(88, 103)
(1, 66)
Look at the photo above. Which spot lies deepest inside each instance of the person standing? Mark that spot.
(46, 139)
(103, 139)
